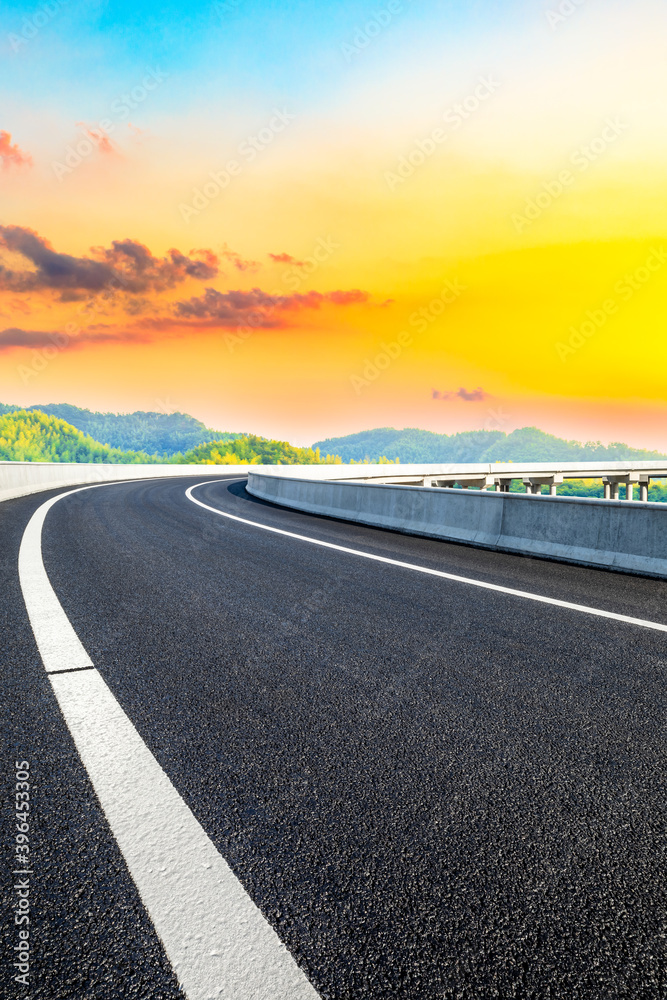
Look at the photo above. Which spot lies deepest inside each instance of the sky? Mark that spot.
(304, 220)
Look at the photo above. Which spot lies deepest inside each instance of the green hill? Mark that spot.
(69, 434)
(31, 436)
(525, 445)
(256, 450)
(146, 431)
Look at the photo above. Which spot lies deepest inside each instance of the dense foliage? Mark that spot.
(31, 436)
(256, 450)
(657, 491)
(153, 433)
(525, 445)
(28, 436)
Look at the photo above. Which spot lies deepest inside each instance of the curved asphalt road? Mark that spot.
(431, 791)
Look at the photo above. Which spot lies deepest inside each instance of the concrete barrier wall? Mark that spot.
(631, 537)
(615, 534)
(20, 478)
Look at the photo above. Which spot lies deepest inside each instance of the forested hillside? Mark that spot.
(256, 450)
(34, 436)
(525, 445)
(27, 436)
(153, 433)
(31, 436)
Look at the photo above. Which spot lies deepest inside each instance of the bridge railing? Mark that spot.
(590, 531)
(634, 476)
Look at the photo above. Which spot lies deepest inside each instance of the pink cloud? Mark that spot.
(467, 395)
(99, 136)
(12, 155)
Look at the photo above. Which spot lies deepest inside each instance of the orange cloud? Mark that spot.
(15, 337)
(12, 155)
(285, 258)
(233, 308)
(239, 262)
(212, 311)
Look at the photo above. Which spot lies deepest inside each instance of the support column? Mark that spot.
(534, 484)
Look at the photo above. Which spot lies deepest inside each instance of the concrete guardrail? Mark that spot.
(21, 478)
(18, 479)
(629, 537)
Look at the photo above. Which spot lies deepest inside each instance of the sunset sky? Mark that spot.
(304, 220)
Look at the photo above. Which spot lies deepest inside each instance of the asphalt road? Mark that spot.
(431, 791)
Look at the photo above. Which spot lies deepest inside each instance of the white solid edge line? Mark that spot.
(218, 942)
(425, 569)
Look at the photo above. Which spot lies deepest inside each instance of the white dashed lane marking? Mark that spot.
(540, 598)
(219, 943)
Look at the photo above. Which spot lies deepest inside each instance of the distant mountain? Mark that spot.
(525, 445)
(154, 433)
(33, 436)
(182, 437)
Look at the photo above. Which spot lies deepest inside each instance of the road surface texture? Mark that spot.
(431, 791)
